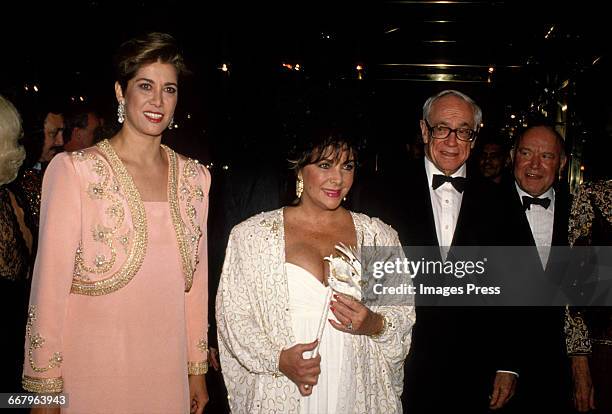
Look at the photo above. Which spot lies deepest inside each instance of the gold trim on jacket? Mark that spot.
(117, 187)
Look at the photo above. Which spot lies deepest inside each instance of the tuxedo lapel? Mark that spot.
(559, 237)
(417, 215)
(472, 226)
(414, 220)
(525, 236)
(430, 236)
(462, 228)
(461, 218)
(558, 258)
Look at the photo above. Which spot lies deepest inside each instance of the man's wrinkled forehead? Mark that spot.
(540, 134)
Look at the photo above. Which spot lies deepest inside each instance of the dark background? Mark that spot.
(548, 59)
(544, 56)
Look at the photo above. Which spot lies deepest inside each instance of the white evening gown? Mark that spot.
(306, 304)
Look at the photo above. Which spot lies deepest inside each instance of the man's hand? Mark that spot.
(584, 393)
(504, 386)
(198, 394)
(304, 372)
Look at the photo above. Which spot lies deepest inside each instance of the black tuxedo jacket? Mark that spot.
(522, 235)
(544, 382)
(455, 352)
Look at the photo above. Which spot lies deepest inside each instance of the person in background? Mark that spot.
(53, 128)
(104, 131)
(43, 139)
(588, 330)
(118, 308)
(80, 124)
(492, 158)
(15, 245)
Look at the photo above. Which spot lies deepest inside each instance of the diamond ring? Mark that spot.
(349, 326)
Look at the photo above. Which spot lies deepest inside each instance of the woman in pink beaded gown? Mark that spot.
(118, 310)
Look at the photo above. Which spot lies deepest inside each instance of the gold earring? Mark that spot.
(299, 187)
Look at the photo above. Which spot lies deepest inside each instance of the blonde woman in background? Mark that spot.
(15, 245)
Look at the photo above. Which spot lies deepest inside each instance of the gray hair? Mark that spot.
(11, 153)
(430, 101)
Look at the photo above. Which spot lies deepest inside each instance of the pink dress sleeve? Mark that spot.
(52, 278)
(196, 300)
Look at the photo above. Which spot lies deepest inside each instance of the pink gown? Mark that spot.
(126, 351)
(135, 336)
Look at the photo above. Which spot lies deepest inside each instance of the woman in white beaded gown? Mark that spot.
(273, 301)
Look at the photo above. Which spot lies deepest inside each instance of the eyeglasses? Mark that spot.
(443, 132)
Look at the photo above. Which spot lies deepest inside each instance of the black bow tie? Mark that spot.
(528, 201)
(457, 182)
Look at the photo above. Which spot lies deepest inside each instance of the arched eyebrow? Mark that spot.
(463, 125)
(334, 160)
(152, 81)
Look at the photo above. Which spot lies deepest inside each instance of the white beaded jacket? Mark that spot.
(254, 326)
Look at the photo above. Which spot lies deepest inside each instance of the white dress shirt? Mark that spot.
(541, 222)
(446, 203)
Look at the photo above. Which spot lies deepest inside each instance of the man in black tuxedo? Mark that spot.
(459, 360)
(538, 215)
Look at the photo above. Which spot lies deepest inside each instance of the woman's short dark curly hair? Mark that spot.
(314, 144)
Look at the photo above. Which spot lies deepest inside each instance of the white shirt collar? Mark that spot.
(550, 193)
(431, 169)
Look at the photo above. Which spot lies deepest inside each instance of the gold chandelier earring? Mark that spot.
(299, 187)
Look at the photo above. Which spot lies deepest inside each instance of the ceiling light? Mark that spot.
(549, 31)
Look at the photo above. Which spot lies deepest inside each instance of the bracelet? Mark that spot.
(383, 329)
(42, 385)
(197, 368)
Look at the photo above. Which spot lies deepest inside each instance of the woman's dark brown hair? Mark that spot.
(146, 49)
(322, 143)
